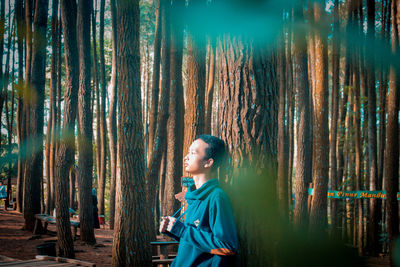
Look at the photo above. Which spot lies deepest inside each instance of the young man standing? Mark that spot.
(208, 235)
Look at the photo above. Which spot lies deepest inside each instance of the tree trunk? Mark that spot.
(2, 33)
(291, 115)
(103, 126)
(34, 164)
(196, 85)
(282, 183)
(65, 153)
(210, 87)
(318, 215)
(112, 117)
(304, 143)
(334, 120)
(392, 137)
(176, 109)
(19, 14)
(131, 245)
(85, 133)
(155, 84)
(358, 151)
(53, 107)
(72, 191)
(153, 171)
(248, 125)
(97, 93)
(374, 212)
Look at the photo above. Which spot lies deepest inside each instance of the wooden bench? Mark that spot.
(163, 258)
(50, 219)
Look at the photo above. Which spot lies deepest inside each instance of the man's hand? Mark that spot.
(171, 223)
(166, 224)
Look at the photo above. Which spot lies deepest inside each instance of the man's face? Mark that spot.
(195, 162)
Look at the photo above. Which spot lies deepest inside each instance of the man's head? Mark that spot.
(206, 154)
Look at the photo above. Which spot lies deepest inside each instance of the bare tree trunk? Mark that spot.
(334, 120)
(34, 164)
(51, 132)
(153, 171)
(71, 191)
(2, 31)
(113, 115)
(103, 123)
(196, 72)
(131, 245)
(176, 109)
(282, 183)
(19, 16)
(358, 151)
(247, 76)
(291, 115)
(318, 215)
(210, 86)
(9, 115)
(392, 138)
(65, 153)
(97, 93)
(304, 143)
(85, 133)
(153, 113)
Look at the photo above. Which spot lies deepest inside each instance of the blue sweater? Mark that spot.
(208, 235)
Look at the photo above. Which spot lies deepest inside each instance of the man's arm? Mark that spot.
(221, 240)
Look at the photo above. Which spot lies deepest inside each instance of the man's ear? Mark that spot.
(209, 163)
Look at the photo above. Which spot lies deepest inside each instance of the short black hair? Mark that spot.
(216, 149)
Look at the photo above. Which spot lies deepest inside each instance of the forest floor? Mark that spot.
(20, 244)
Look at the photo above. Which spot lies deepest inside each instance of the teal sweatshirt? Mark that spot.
(208, 235)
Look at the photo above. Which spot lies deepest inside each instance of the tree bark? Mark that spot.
(131, 245)
(196, 86)
(85, 133)
(153, 171)
(53, 108)
(392, 137)
(318, 214)
(176, 110)
(210, 86)
(155, 83)
(358, 152)
(97, 95)
(103, 126)
(304, 145)
(334, 119)
(282, 184)
(2, 33)
(112, 117)
(248, 111)
(34, 164)
(65, 153)
(19, 14)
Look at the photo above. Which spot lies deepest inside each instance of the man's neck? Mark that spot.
(201, 179)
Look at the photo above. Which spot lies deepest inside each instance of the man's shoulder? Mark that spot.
(218, 194)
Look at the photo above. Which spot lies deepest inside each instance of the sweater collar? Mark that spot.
(202, 192)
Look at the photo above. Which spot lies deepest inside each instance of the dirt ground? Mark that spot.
(16, 243)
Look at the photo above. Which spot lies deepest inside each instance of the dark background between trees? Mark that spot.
(110, 94)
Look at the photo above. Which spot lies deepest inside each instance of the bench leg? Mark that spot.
(74, 233)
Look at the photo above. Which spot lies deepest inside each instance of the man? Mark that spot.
(208, 235)
(3, 193)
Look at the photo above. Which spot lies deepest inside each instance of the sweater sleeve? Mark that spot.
(221, 240)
